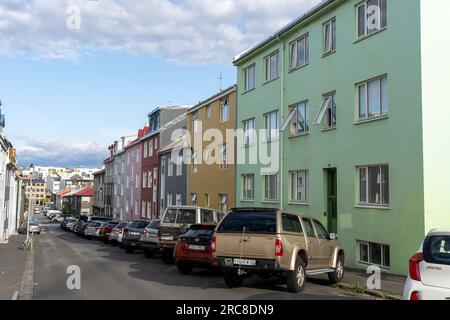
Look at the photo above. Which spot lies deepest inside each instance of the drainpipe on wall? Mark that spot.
(281, 115)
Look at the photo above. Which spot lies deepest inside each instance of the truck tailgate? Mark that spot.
(256, 246)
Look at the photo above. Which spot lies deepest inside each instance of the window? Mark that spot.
(374, 253)
(321, 231)
(300, 119)
(155, 175)
(299, 186)
(207, 216)
(372, 17)
(374, 185)
(149, 209)
(207, 200)
(169, 167)
(169, 200)
(264, 222)
(150, 179)
(249, 78)
(180, 166)
(224, 110)
(195, 161)
(271, 187)
(195, 122)
(145, 150)
(194, 199)
(144, 209)
(309, 228)
(223, 202)
(291, 223)
(329, 31)
(271, 125)
(327, 111)
(137, 181)
(223, 157)
(271, 63)
(249, 132)
(186, 216)
(372, 98)
(436, 249)
(144, 180)
(150, 148)
(300, 52)
(248, 181)
(179, 201)
(208, 111)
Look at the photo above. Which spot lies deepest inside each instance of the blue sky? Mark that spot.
(69, 92)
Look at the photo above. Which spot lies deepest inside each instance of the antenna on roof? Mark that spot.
(220, 81)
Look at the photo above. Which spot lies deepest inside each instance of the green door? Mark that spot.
(332, 200)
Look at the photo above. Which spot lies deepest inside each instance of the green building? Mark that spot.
(363, 85)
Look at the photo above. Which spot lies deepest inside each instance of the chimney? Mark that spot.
(123, 143)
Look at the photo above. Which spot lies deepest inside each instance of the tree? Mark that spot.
(68, 209)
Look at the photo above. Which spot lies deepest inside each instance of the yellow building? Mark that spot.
(211, 171)
(35, 189)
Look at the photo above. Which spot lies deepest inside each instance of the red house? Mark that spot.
(150, 175)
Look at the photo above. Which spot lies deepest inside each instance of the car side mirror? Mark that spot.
(333, 236)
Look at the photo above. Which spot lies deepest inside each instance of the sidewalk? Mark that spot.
(391, 286)
(12, 266)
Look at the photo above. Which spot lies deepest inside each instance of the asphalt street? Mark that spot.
(108, 273)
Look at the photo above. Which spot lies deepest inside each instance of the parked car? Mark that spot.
(52, 213)
(268, 242)
(177, 221)
(150, 239)
(37, 210)
(132, 234)
(93, 228)
(105, 230)
(35, 228)
(65, 224)
(58, 218)
(82, 223)
(116, 235)
(193, 249)
(429, 269)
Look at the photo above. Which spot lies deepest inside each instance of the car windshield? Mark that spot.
(138, 224)
(436, 250)
(94, 224)
(252, 221)
(155, 224)
(111, 224)
(200, 231)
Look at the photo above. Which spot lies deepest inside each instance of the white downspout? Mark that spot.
(281, 115)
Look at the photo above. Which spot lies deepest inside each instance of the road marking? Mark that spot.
(16, 296)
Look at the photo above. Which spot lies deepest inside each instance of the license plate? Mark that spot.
(135, 233)
(197, 248)
(170, 238)
(244, 262)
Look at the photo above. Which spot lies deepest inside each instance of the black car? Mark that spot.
(132, 235)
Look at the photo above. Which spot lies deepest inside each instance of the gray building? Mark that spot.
(99, 193)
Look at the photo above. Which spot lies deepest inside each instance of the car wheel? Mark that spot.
(232, 280)
(167, 256)
(296, 280)
(185, 268)
(121, 246)
(149, 254)
(338, 274)
(129, 250)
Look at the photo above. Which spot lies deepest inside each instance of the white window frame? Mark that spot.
(295, 187)
(195, 161)
(150, 179)
(327, 109)
(225, 110)
(369, 256)
(169, 200)
(249, 126)
(144, 180)
(367, 202)
(267, 190)
(150, 148)
(248, 186)
(296, 48)
(223, 202)
(271, 133)
(383, 99)
(179, 199)
(195, 122)
(269, 61)
(250, 78)
(329, 36)
(169, 167)
(368, 32)
(180, 166)
(294, 131)
(208, 111)
(223, 156)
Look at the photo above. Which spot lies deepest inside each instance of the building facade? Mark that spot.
(150, 179)
(356, 142)
(217, 116)
(36, 190)
(83, 201)
(98, 207)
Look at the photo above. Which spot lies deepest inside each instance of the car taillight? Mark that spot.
(125, 230)
(415, 296)
(159, 234)
(414, 266)
(145, 231)
(184, 246)
(278, 248)
(97, 228)
(213, 245)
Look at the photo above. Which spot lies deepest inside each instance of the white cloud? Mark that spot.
(181, 31)
(61, 153)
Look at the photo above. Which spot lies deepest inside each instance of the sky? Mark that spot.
(78, 74)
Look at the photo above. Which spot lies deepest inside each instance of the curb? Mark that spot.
(374, 293)
(27, 287)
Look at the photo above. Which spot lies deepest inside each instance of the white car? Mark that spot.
(429, 269)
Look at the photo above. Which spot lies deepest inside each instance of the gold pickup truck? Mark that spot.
(268, 242)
